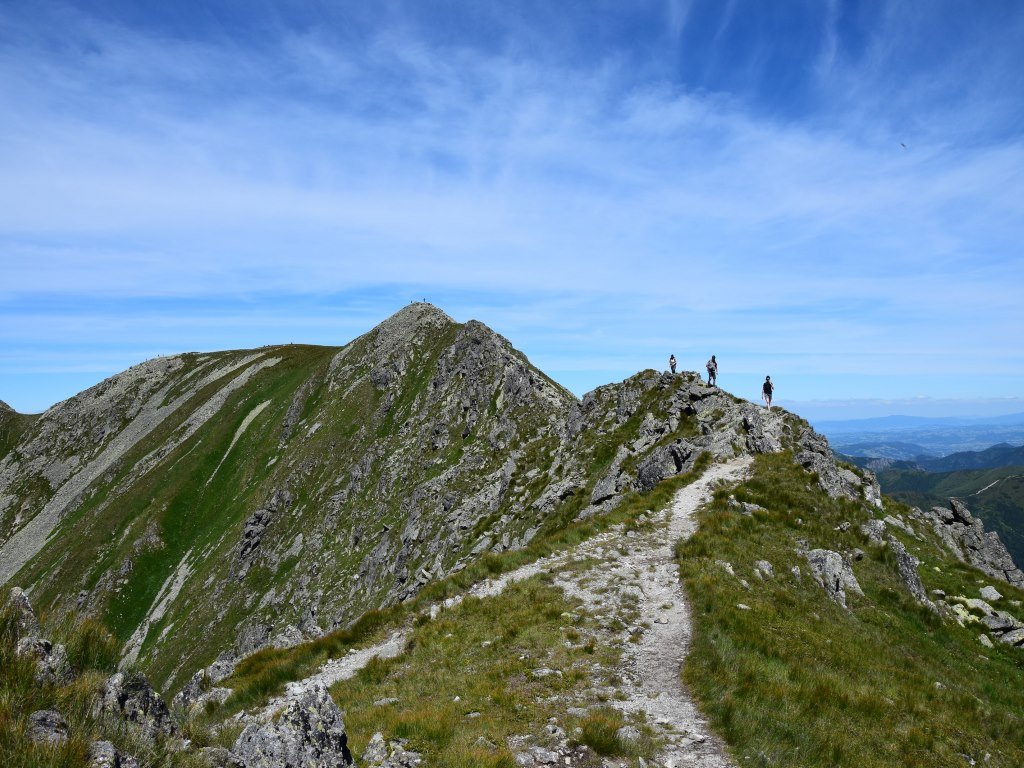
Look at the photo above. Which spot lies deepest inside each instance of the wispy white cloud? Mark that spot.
(576, 203)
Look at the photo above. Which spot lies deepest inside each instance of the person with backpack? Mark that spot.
(672, 363)
(712, 367)
(766, 391)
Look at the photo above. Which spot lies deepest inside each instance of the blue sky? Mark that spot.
(828, 192)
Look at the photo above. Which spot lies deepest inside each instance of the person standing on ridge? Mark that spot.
(712, 367)
(766, 391)
(672, 363)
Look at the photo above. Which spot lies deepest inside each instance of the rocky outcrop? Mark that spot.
(25, 622)
(1002, 625)
(965, 536)
(907, 565)
(103, 754)
(384, 754)
(665, 462)
(833, 574)
(252, 535)
(310, 732)
(52, 665)
(47, 727)
(132, 698)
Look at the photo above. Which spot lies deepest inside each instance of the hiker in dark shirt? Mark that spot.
(766, 391)
(712, 367)
(672, 363)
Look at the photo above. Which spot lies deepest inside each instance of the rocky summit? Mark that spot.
(206, 507)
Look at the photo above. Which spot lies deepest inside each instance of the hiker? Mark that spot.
(672, 363)
(712, 367)
(766, 391)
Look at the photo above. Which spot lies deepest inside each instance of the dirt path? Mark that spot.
(632, 577)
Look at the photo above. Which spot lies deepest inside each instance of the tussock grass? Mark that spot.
(471, 677)
(798, 681)
(92, 652)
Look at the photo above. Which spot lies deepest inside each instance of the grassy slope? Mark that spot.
(93, 654)
(798, 681)
(187, 513)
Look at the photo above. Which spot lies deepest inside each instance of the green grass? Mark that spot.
(798, 681)
(92, 652)
(264, 674)
(468, 676)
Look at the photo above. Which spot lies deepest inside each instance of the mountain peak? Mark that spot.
(4, 406)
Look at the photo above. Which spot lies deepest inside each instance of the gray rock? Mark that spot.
(1001, 621)
(47, 726)
(131, 697)
(665, 462)
(874, 530)
(965, 536)
(907, 564)
(25, 622)
(990, 593)
(310, 732)
(765, 569)
(833, 573)
(252, 638)
(52, 665)
(835, 484)
(1016, 637)
(762, 431)
(103, 754)
(986, 641)
(218, 757)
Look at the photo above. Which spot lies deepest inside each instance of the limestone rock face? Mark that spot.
(133, 698)
(833, 573)
(311, 732)
(965, 536)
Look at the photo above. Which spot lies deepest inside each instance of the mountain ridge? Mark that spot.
(250, 473)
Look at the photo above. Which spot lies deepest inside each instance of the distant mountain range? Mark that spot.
(887, 423)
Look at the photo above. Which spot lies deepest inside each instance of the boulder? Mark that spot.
(907, 564)
(381, 754)
(103, 754)
(874, 530)
(764, 569)
(833, 573)
(52, 665)
(310, 732)
(47, 726)
(664, 462)
(990, 593)
(762, 431)
(132, 698)
(835, 482)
